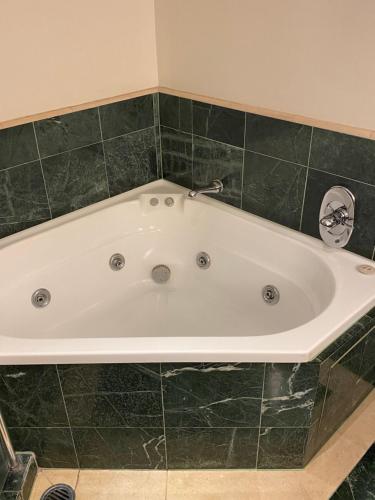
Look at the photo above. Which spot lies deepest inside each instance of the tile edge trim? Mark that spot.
(248, 108)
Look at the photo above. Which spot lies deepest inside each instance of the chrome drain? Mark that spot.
(117, 262)
(203, 260)
(59, 492)
(271, 294)
(161, 273)
(41, 298)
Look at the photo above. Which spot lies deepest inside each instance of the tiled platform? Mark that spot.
(317, 481)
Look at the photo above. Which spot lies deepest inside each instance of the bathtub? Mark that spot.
(98, 315)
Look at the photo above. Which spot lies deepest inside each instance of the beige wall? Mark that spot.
(309, 57)
(57, 53)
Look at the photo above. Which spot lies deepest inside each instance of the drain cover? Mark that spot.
(59, 492)
(161, 273)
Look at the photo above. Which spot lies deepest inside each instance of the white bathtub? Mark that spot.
(214, 314)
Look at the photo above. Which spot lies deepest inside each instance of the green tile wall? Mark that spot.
(273, 168)
(55, 166)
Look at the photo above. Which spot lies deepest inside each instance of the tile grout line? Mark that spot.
(157, 427)
(307, 176)
(80, 147)
(157, 130)
(77, 480)
(162, 407)
(243, 159)
(41, 167)
(104, 158)
(67, 416)
(260, 416)
(310, 147)
(311, 423)
(342, 176)
(192, 156)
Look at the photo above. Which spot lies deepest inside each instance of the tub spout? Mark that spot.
(215, 187)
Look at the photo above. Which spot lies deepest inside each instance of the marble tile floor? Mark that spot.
(317, 481)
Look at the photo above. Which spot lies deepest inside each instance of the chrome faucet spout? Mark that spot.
(215, 187)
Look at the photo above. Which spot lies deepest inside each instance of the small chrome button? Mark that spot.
(271, 294)
(203, 260)
(117, 262)
(169, 201)
(154, 202)
(41, 298)
(161, 273)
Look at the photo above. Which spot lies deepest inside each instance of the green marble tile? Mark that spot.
(360, 483)
(22, 194)
(177, 157)
(126, 116)
(131, 161)
(17, 145)
(117, 448)
(347, 386)
(273, 189)
(278, 138)
(61, 133)
(289, 394)
(75, 179)
(30, 396)
(53, 446)
(281, 448)
(344, 155)
(363, 237)
(112, 395)
(212, 160)
(212, 394)
(198, 448)
(176, 112)
(220, 124)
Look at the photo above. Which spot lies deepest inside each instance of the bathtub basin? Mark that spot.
(214, 314)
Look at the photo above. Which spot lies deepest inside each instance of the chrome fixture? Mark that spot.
(216, 187)
(7, 445)
(154, 202)
(117, 262)
(203, 260)
(161, 273)
(169, 201)
(41, 298)
(270, 294)
(336, 217)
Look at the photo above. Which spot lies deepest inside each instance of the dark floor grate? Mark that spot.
(59, 492)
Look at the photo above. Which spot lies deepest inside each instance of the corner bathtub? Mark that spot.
(217, 314)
